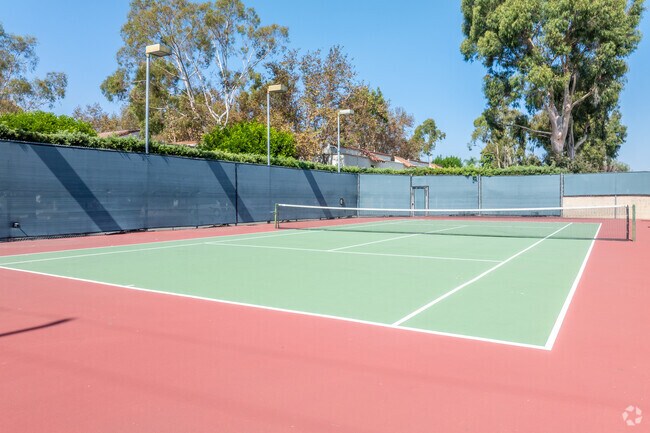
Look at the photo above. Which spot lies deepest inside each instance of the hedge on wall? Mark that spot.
(249, 137)
(129, 144)
(46, 123)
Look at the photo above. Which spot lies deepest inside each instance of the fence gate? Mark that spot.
(420, 197)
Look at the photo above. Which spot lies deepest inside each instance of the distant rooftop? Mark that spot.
(121, 133)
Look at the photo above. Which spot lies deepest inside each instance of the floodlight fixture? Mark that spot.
(340, 113)
(157, 50)
(273, 88)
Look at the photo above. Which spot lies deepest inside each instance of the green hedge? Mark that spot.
(45, 123)
(249, 137)
(136, 145)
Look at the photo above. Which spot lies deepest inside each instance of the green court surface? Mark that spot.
(434, 276)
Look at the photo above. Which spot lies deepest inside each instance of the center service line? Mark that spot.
(473, 280)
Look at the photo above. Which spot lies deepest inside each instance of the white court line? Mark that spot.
(297, 312)
(333, 227)
(314, 230)
(47, 259)
(360, 253)
(394, 239)
(291, 233)
(540, 225)
(117, 249)
(473, 280)
(197, 241)
(560, 318)
(176, 243)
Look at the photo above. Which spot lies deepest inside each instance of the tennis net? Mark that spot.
(590, 222)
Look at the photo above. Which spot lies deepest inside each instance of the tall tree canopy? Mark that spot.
(319, 84)
(101, 121)
(18, 60)
(563, 60)
(426, 136)
(216, 48)
(223, 60)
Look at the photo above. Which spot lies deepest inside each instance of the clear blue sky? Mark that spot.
(409, 49)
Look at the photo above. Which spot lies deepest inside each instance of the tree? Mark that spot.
(328, 81)
(216, 48)
(426, 136)
(319, 85)
(378, 127)
(503, 131)
(17, 91)
(553, 57)
(102, 121)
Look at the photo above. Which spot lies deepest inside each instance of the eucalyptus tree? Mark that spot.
(102, 121)
(503, 131)
(317, 82)
(216, 49)
(18, 91)
(554, 57)
(426, 136)
(378, 126)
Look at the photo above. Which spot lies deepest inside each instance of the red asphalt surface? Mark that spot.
(119, 360)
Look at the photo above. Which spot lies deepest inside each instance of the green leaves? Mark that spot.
(45, 123)
(553, 56)
(427, 135)
(79, 139)
(18, 92)
(448, 161)
(249, 138)
(216, 50)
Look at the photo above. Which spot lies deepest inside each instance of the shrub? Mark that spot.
(448, 161)
(45, 123)
(249, 137)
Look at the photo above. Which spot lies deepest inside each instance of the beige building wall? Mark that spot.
(642, 203)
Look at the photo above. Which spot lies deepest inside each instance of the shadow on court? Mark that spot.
(36, 328)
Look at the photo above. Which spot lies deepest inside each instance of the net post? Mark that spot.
(276, 224)
(634, 222)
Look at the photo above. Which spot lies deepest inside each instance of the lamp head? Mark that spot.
(277, 88)
(158, 50)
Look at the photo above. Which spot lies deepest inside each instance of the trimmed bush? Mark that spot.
(45, 123)
(249, 137)
(448, 161)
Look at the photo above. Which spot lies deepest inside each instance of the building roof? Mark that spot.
(190, 143)
(406, 162)
(120, 133)
(385, 157)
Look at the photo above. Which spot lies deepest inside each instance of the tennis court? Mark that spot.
(395, 323)
(479, 279)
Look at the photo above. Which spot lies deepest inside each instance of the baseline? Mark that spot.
(298, 312)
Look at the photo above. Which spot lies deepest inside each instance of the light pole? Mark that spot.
(279, 88)
(157, 50)
(338, 136)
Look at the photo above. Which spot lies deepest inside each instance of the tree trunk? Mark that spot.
(571, 144)
(561, 122)
(559, 126)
